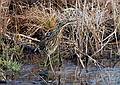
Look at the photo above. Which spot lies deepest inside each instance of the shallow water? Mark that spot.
(71, 74)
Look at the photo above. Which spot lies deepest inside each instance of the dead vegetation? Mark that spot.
(46, 33)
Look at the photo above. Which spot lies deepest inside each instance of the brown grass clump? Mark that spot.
(42, 18)
(32, 20)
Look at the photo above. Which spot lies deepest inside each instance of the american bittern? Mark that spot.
(51, 41)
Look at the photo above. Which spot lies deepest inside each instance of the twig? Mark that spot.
(110, 35)
(80, 60)
(25, 36)
(102, 47)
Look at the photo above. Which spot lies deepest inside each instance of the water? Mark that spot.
(71, 74)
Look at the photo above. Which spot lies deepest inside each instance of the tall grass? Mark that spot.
(95, 29)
